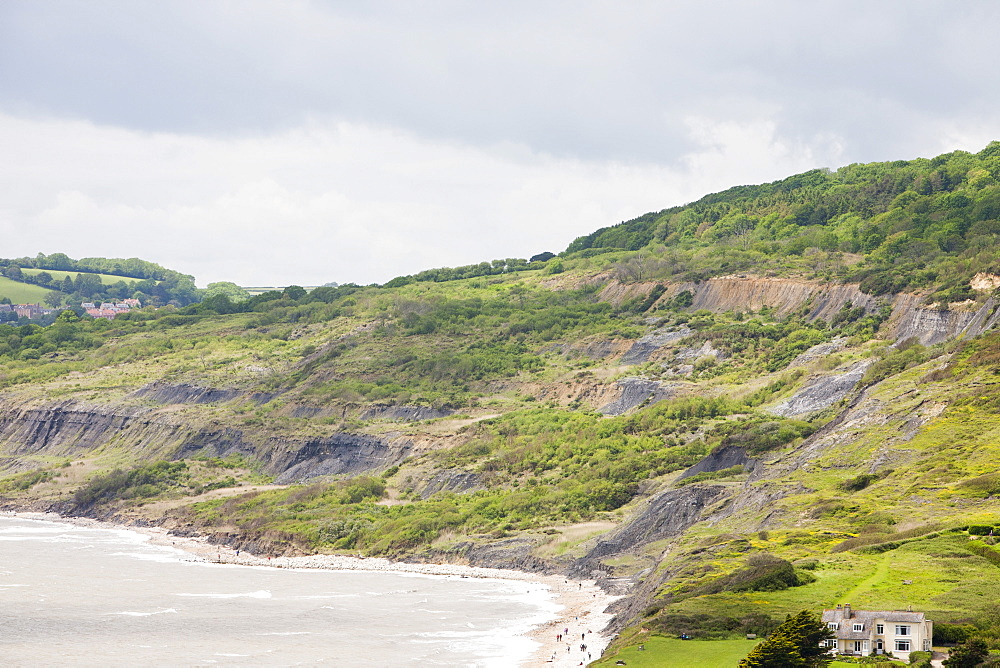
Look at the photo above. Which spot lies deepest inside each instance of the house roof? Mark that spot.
(868, 617)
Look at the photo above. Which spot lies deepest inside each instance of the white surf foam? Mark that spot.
(263, 593)
(145, 614)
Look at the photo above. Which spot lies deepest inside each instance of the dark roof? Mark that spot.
(869, 616)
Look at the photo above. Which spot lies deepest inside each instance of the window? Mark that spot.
(859, 627)
(902, 645)
(857, 645)
(880, 629)
(830, 642)
(902, 630)
(878, 645)
(832, 625)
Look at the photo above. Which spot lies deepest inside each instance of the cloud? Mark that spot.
(308, 141)
(589, 80)
(342, 201)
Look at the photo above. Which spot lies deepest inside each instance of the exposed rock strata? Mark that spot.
(167, 393)
(822, 392)
(69, 429)
(404, 413)
(644, 347)
(742, 293)
(636, 392)
(666, 515)
(720, 459)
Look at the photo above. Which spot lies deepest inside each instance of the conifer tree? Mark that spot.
(798, 641)
(968, 654)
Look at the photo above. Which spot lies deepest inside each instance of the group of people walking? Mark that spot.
(564, 638)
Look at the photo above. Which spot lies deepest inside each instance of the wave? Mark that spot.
(145, 614)
(263, 593)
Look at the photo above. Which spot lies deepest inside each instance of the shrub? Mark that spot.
(143, 481)
(951, 634)
(763, 572)
(980, 529)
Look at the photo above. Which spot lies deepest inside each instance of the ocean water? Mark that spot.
(86, 596)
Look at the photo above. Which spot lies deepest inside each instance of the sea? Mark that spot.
(89, 596)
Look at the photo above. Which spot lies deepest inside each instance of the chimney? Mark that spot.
(847, 611)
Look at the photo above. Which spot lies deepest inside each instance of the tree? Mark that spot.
(968, 654)
(295, 292)
(231, 290)
(799, 641)
(54, 299)
(775, 652)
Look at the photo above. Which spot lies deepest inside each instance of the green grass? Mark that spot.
(22, 293)
(106, 279)
(664, 652)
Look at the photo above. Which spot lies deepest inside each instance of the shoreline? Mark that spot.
(581, 619)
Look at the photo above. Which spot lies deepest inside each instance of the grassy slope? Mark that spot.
(106, 279)
(662, 652)
(22, 293)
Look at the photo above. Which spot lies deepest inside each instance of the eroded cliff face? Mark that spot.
(745, 292)
(75, 429)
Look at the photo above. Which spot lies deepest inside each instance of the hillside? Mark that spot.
(778, 397)
(60, 280)
(21, 293)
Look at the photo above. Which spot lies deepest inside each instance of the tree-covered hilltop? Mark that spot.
(97, 279)
(892, 226)
(727, 451)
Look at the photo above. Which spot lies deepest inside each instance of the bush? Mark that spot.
(763, 572)
(144, 481)
(980, 529)
(951, 634)
(711, 627)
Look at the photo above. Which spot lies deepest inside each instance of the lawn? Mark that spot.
(667, 652)
(106, 279)
(22, 293)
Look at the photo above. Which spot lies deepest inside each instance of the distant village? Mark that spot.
(107, 310)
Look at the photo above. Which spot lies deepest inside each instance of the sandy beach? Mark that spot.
(580, 621)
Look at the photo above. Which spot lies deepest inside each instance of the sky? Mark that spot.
(305, 142)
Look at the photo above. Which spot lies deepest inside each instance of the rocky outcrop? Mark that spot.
(822, 392)
(167, 393)
(720, 459)
(818, 351)
(634, 392)
(515, 553)
(404, 413)
(665, 515)
(646, 346)
(451, 481)
(930, 325)
(336, 455)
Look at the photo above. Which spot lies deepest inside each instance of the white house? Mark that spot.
(864, 632)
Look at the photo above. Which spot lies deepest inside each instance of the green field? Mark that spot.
(665, 652)
(22, 293)
(106, 279)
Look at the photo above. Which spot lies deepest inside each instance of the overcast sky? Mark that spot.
(272, 143)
